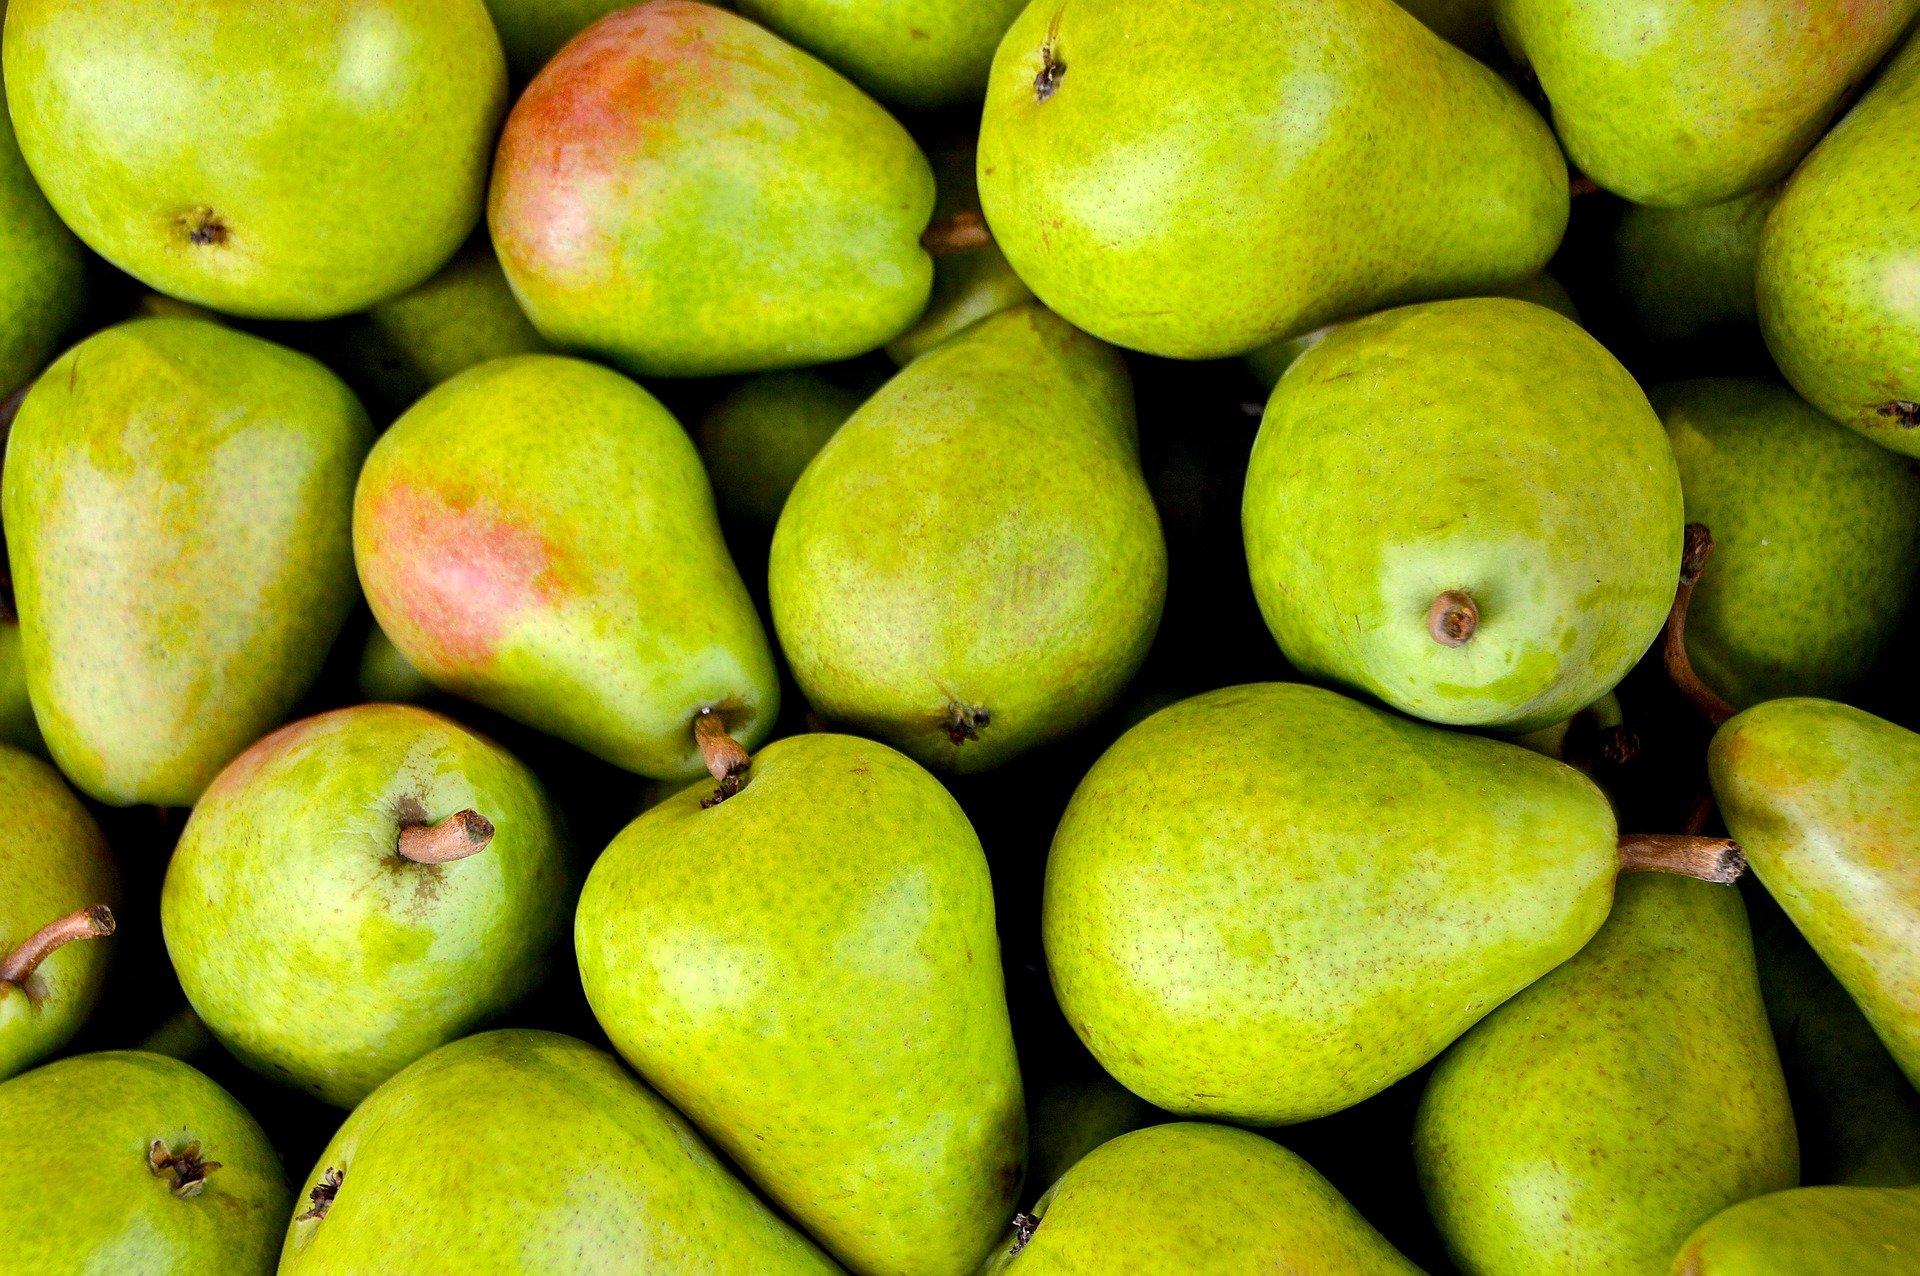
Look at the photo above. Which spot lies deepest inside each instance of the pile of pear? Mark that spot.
(929, 639)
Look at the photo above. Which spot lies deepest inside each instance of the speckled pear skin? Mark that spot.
(1360, 893)
(758, 439)
(1689, 272)
(1839, 301)
(537, 534)
(1825, 799)
(1810, 1231)
(177, 498)
(809, 970)
(682, 193)
(968, 285)
(43, 273)
(1815, 536)
(1486, 446)
(1072, 1117)
(1198, 215)
(1592, 1122)
(914, 53)
(291, 160)
(976, 542)
(1681, 103)
(1204, 1200)
(532, 1152)
(53, 861)
(317, 953)
(87, 1198)
(532, 31)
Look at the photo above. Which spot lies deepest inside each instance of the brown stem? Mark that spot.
(1711, 859)
(1453, 619)
(461, 834)
(92, 922)
(726, 760)
(1697, 549)
(1580, 184)
(959, 233)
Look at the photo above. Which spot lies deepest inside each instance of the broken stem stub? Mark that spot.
(1454, 618)
(461, 834)
(1695, 551)
(92, 922)
(726, 760)
(1711, 859)
(962, 232)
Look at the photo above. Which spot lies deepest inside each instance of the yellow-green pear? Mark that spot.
(1810, 1231)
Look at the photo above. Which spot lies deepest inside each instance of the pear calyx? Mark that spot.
(1905, 414)
(203, 227)
(726, 760)
(1695, 551)
(320, 1199)
(1024, 1226)
(962, 232)
(964, 722)
(1053, 67)
(92, 922)
(461, 834)
(1453, 618)
(1711, 859)
(185, 1168)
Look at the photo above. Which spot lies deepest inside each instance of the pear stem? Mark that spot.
(1711, 859)
(726, 760)
(1454, 618)
(461, 834)
(1673, 643)
(1579, 184)
(959, 233)
(92, 922)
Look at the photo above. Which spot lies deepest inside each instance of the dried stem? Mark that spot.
(461, 834)
(1673, 644)
(92, 922)
(1711, 859)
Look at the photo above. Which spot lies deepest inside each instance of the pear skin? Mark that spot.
(758, 439)
(1688, 273)
(43, 275)
(1810, 1231)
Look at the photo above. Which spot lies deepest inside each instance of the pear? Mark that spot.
(388, 676)
(359, 888)
(757, 439)
(1267, 903)
(43, 272)
(1465, 508)
(537, 534)
(1839, 304)
(58, 885)
(532, 31)
(1199, 1199)
(971, 277)
(973, 564)
(1688, 273)
(280, 161)
(1072, 1117)
(177, 498)
(134, 1162)
(1592, 1122)
(1201, 180)
(914, 53)
(808, 968)
(1810, 1231)
(1680, 103)
(682, 193)
(529, 1151)
(1826, 800)
(1815, 534)
(18, 729)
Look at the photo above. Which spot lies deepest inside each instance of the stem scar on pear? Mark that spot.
(1053, 67)
(1711, 859)
(185, 1168)
(726, 761)
(92, 922)
(320, 1199)
(964, 722)
(1453, 618)
(1695, 551)
(461, 834)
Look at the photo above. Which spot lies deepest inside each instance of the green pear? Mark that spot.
(973, 564)
(1072, 1117)
(971, 277)
(1689, 272)
(1267, 903)
(134, 1162)
(1810, 1231)
(682, 193)
(1821, 795)
(913, 53)
(1201, 180)
(1592, 1122)
(177, 498)
(1465, 508)
(43, 272)
(359, 888)
(386, 675)
(537, 534)
(758, 439)
(1200, 1200)
(531, 1152)
(532, 31)
(18, 729)
(1837, 288)
(1815, 535)
(58, 884)
(402, 348)
(1858, 1117)
(1269, 362)
(809, 969)
(1680, 103)
(281, 161)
